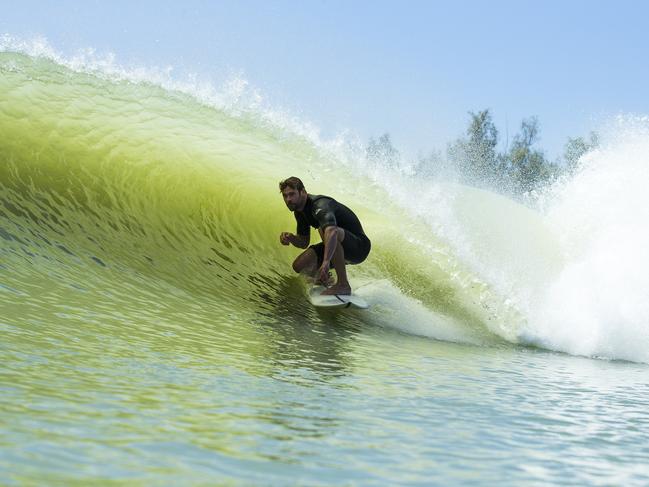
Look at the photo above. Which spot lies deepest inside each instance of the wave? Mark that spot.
(113, 184)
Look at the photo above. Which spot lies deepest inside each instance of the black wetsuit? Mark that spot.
(322, 212)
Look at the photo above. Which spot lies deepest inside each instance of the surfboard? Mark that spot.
(335, 300)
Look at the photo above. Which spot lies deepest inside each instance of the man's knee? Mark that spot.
(306, 261)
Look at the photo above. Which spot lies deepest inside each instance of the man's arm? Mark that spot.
(300, 241)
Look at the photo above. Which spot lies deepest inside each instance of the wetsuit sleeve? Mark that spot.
(324, 213)
(302, 225)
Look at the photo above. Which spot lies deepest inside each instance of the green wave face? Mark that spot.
(128, 203)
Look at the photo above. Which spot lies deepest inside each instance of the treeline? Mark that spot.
(474, 159)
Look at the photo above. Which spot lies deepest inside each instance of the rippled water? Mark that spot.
(134, 396)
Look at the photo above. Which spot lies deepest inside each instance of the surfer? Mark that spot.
(343, 239)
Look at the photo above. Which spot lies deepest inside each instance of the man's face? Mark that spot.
(293, 198)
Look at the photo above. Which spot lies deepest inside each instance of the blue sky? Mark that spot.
(413, 69)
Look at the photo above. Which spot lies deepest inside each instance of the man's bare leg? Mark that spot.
(342, 284)
(306, 262)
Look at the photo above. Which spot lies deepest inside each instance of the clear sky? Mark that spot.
(410, 68)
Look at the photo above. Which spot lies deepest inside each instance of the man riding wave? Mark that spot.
(343, 239)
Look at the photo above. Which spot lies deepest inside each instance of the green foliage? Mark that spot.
(432, 166)
(577, 147)
(382, 151)
(475, 155)
(526, 167)
(474, 159)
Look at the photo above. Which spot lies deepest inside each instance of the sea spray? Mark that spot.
(598, 305)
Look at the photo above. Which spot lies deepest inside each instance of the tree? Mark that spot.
(475, 156)
(577, 147)
(527, 167)
(432, 166)
(382, 151)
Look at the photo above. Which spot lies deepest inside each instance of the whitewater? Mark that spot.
(153, 329)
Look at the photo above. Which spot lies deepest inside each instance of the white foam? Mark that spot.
(390, 308)
(599, 303)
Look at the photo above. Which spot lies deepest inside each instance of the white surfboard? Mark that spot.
(335, 300)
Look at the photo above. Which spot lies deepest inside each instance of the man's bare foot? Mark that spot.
(337, 289)
(316, 282)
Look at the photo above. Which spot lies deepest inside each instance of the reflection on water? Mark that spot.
(299, 336)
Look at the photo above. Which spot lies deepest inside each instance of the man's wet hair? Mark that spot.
(292, 182)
